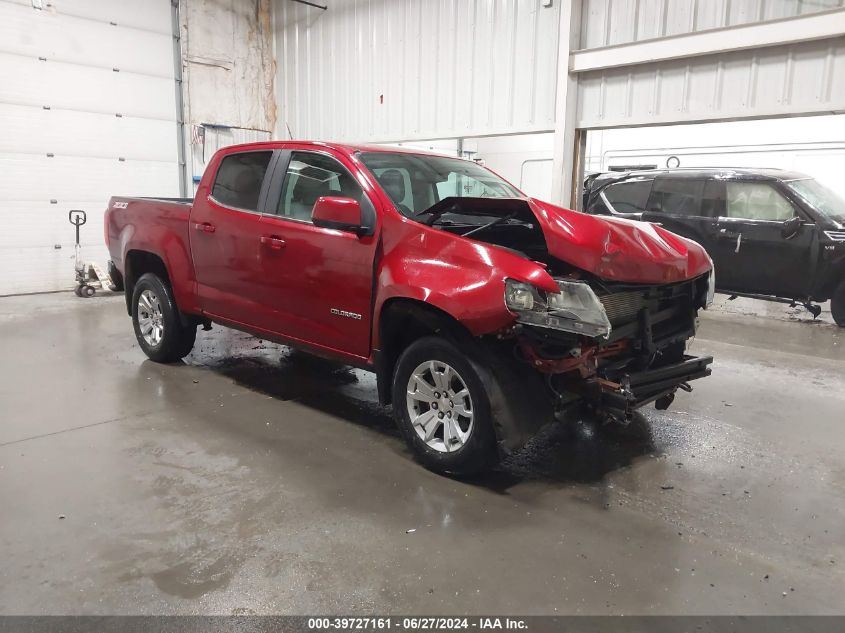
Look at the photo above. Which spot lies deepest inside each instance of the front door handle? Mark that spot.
(276, 243)
(205, 227)
(732, 235)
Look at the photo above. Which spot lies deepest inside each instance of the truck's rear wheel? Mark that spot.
(158, 327)
(442, 408)
(837, 305)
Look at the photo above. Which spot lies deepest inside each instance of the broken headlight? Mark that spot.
(576, 308)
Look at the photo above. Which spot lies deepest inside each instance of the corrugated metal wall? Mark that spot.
(609, 22)
(381, 70)
(801, 78)
(777, 81)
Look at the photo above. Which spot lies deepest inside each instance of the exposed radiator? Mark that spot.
(622, 307)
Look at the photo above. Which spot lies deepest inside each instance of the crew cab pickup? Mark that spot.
(484, 313)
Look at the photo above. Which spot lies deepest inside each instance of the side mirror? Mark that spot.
(343, 214)
(790, 227)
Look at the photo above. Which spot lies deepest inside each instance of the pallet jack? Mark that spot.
(87, 273)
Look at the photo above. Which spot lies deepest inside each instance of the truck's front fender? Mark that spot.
(461, 277)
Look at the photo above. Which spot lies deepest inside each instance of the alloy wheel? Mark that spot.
(150, 318)
(440, 406)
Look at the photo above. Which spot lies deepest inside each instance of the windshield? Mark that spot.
(819, 197)
(416, 182)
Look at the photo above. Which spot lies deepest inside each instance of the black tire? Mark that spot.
(116, 278)
(78, 291)
(88, 291)
(478, 453)
(837, 305)
(177, 339)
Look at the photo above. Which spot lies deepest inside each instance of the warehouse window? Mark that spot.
(757, 201)
(239, 178)
(310, 177)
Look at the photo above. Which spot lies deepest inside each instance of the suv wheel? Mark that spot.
(837, 305)
(158, 327)
(443, 409)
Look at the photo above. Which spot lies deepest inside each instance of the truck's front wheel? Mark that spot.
(837, 305)
(158, 327)
(443, 409)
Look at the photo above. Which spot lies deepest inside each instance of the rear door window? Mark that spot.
(757, 201)
(630, 196)
(677, 196)
(239, 178)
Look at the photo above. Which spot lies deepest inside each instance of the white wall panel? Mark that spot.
(86, 134)
(32, 33)
(65, 104)
(41, 223)
(804, 78)
(28, 177)
(381, 70)
(27, 268)
(59, 85)
(138, 14)
(609, 22)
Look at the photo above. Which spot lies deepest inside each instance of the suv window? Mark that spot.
(677, 196)
(239, 178)
(310, 177)
(757, 201)
(628, 197)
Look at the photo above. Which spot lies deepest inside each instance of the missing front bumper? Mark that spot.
(635, 390)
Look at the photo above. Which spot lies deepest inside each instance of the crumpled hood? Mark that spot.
(618, 249)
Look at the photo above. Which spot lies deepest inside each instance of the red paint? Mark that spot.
(334, 210)
(618, 249)
(282, 279)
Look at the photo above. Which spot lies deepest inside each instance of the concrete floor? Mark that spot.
(256, 480)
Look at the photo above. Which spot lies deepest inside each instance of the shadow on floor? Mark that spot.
(580, 450)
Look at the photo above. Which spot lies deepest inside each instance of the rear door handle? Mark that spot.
(205, 227)
(276, 243)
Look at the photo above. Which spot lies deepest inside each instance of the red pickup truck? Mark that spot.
(484, 313)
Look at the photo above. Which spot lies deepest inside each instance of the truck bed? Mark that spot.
(159, 226)
(177, 200)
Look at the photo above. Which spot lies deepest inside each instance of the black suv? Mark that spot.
(772, 234)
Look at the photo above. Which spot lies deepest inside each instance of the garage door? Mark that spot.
(88, 110)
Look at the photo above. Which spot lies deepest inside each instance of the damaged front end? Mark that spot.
(617, 346)
(628, 297)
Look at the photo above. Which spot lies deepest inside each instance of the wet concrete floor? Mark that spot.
(253, 479)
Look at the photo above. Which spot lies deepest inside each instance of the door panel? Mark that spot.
(753, 256)
(316, 284)
(751, 251)
(225, 233)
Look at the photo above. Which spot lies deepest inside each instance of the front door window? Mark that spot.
(757, 201)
